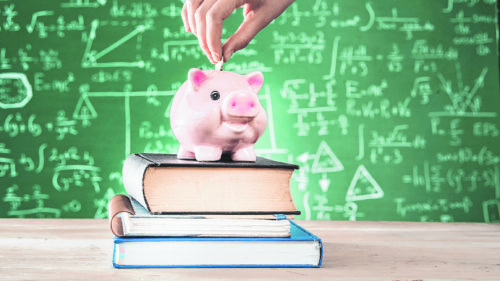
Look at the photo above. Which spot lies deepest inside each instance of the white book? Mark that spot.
(142, 223)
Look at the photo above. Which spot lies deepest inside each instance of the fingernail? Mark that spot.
(215, 56)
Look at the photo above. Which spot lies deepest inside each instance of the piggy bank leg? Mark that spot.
(184, 154)
(244, 154)
(207, 153)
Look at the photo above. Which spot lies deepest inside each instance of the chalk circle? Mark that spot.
(15, 90)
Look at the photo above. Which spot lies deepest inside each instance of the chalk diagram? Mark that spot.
(363, 187)
(84, 110)
(464, 101)
(92, 58)
(325, 160)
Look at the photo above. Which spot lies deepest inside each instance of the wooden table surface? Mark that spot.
(81, 249)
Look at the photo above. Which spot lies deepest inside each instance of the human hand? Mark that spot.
(204, 19)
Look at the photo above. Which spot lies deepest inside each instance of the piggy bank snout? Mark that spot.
(241, 105)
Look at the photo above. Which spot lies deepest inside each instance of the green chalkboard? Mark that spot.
(389, 107)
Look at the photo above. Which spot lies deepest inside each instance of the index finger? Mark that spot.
(214, 35)
(220, 11)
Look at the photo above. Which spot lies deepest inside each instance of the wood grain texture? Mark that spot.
(81, 249)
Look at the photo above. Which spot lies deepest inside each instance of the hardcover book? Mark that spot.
(301, 249)
(132, 220)
(164, 184)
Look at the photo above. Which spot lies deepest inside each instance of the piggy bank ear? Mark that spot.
(196, 77)
(255, 80)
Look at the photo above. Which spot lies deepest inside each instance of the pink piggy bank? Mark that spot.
(216, 112)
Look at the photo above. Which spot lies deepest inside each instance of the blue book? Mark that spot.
(301, 249)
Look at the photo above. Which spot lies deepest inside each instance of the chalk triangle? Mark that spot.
(363, 187)
(84, 109)
(108, 53)
(325, 160)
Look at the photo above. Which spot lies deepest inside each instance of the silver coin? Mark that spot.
(218, 66)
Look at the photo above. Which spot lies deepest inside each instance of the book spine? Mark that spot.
(133, 172)
(314, 237)
(118, 204)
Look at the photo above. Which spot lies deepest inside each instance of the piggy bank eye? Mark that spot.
(215, 95)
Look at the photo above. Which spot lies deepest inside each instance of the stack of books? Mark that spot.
(185, 213)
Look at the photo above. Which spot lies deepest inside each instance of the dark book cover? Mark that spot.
(160, 159)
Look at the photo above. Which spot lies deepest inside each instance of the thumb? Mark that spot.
(252, 24)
